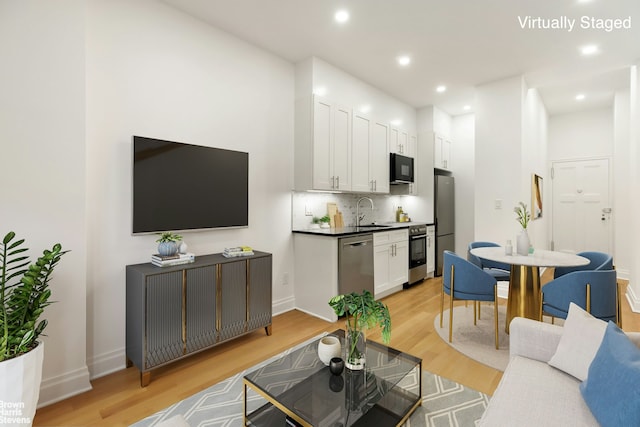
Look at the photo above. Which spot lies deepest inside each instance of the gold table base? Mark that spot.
(524, 293)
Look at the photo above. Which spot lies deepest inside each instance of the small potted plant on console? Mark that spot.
(168, 243)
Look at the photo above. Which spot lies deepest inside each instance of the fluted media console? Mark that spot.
(173, 312)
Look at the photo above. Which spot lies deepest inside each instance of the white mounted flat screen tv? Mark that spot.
(179, 187)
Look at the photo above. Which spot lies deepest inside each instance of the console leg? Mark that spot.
(145, 378)
(267, 329)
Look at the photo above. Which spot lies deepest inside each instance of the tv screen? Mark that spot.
(179, 186)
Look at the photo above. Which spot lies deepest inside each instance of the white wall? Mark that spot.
(498, 168)
(463, 151)
(580, 135)
(534, 161)
(43, 192)
(345, 89)
(622, 215)
(633, 290)
(156, 72)
(511, 129)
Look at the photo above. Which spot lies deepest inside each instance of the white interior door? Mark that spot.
(581, 206)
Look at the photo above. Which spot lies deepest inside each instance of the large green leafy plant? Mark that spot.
(362, 312)
(24, 293)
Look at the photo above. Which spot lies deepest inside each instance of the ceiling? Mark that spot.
(457, 43)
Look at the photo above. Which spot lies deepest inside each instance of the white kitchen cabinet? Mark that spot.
(442, 152)
(399, 141)
(379, 157)
(390, 262)
(370, 154)
(431, 247)
(361, 139)
(322, 145)
(413, 152)
(316, 274)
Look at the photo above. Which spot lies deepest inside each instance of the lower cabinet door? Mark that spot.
(381, 255)
(200, 308)
(233, 299)
(399, 264)
(164, 318)
(259, 292)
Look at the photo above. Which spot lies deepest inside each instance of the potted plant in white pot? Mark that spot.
(24, 293)
(362, 311)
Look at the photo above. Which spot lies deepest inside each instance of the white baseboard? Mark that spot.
(623, 273)
(633, 299)
(315, 315)
(107, 363)
(58, 388)
(283, 305)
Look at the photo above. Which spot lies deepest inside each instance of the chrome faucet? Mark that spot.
(358, 217)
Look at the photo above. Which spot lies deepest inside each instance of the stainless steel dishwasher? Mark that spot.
(355, 264)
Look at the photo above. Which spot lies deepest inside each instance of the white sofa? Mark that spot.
(533, 393)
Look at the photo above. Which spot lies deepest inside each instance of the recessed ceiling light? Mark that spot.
(466, 107)
(396, 122)
(365, 108)
(590, 49)
(441, 88)
(404, 60)
(580, 97)
(341, 16)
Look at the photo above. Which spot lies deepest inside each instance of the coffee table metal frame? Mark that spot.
(375, 353)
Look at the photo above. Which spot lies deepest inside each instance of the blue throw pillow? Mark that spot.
(612, 388)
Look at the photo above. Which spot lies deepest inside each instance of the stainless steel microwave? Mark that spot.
(401, 168)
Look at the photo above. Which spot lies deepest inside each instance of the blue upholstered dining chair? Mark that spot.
(499, 270)
(596, 291)
(462, 280)
(597, 261)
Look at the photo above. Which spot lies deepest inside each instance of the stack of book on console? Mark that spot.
(169, 260)
(239, 251)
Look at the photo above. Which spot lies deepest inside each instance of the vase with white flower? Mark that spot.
(523, 217)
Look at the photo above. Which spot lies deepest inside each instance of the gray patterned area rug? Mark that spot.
(444, 403)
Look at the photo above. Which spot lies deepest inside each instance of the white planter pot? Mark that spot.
(20, 387)
(328, 348)
(523, 243)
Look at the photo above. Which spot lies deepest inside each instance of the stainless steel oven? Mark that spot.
(417, 253)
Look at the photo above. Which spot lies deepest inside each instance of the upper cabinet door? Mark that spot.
(341, 153)
(442, 152)
(360, 152)
(379, 157)
(399, 141)
(322, 129)
(331, 146)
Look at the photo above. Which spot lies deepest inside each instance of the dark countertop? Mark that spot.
(351, 230)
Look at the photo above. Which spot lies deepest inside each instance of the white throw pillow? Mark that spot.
(581, 338)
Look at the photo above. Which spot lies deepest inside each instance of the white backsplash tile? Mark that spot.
(384, 207)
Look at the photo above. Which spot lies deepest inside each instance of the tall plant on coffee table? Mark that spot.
(362, 312)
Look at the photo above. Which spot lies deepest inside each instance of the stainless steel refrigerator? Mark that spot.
(445, 218)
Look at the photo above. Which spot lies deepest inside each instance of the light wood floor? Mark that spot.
(118, 399)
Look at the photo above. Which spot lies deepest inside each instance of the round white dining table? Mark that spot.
(524, 279)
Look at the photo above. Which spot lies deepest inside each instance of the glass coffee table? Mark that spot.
(300, 390)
